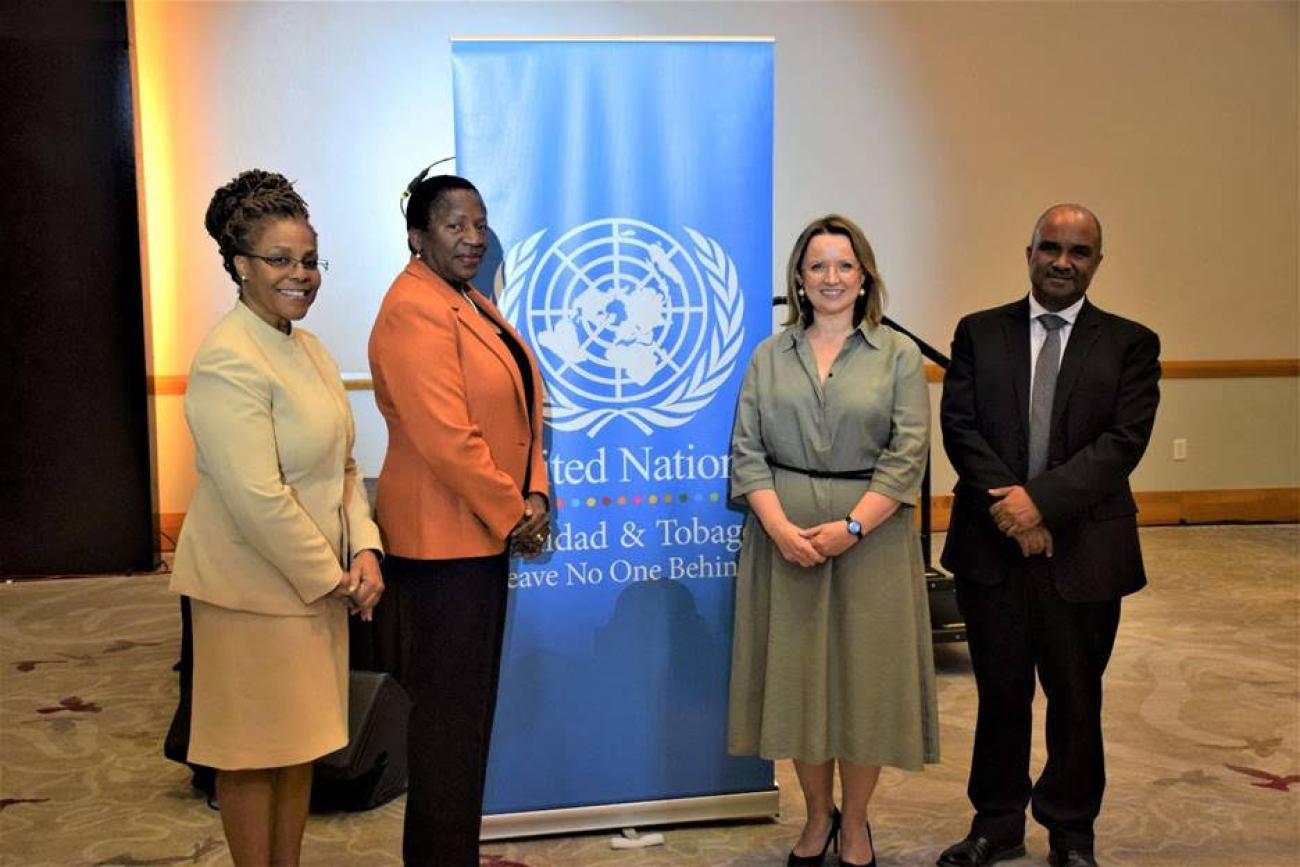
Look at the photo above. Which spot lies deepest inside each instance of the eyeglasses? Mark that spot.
(281, 262)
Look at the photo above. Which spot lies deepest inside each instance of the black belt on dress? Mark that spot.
(824, 474)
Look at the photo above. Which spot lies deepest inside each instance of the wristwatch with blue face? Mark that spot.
(854, 527)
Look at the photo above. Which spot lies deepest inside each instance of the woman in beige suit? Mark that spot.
(278, 543)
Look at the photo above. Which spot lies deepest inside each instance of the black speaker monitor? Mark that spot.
(371, 769)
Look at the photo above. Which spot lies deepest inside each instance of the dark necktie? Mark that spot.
(1044, 389)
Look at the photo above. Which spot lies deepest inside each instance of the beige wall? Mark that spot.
(944, 128)
(1241, 433)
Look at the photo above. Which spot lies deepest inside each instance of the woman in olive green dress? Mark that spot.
(831, 659)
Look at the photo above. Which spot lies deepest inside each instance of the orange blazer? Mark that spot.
(459, 438)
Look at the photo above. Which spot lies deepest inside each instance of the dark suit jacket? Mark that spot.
(1105, 406)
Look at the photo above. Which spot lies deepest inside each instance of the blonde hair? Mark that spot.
(870, 307)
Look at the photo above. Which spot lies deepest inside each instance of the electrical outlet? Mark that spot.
(1180, 449)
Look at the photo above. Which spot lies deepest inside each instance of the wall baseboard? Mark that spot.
(169, 525)
(1155, 509)
(1245, 505)
(1208, 368)
(1164, 508)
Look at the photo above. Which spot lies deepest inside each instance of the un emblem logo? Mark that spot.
(625, 321)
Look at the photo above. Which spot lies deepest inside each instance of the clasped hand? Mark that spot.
(812, 546)
(1018, 517)
(362, 585)
(529, 536)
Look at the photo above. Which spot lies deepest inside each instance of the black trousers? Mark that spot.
(1015, 628)
(452, 616)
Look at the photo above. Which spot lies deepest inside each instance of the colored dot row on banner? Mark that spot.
(633, 500)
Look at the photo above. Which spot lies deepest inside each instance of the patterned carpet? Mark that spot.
(1202, 722)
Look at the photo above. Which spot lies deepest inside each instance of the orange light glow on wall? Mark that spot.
(154, 70)
(155, 175)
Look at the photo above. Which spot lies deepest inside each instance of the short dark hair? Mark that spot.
(1066, 206)
(238, 208)
(425, 194)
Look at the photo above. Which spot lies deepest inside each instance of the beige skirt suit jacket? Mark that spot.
(278, 513)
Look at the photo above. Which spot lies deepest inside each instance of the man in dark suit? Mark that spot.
(1047, 408)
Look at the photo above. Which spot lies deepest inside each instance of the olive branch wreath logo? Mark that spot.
(727, 313)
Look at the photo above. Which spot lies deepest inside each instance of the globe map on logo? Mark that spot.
(625, 321)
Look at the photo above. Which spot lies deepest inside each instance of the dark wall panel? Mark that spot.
(75, 484)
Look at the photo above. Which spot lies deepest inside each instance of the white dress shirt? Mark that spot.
(1038, 332)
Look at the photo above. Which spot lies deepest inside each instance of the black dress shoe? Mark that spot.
(872, 862)
(978, 851)
(833, 838)
(1070, 858)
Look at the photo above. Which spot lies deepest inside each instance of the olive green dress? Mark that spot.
(835, 661)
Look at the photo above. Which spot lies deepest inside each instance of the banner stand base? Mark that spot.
(636, 814)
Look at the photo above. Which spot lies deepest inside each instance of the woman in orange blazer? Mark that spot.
(463, 481)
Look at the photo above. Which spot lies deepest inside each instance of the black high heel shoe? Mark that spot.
(832, 839)
(872, 862)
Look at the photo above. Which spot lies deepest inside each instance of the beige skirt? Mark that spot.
(269, 690)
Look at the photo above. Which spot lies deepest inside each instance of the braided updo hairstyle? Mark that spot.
(238, 207)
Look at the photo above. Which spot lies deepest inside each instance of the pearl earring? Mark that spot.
(862, 291)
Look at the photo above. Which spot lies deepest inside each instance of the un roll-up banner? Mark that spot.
(629, 185)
